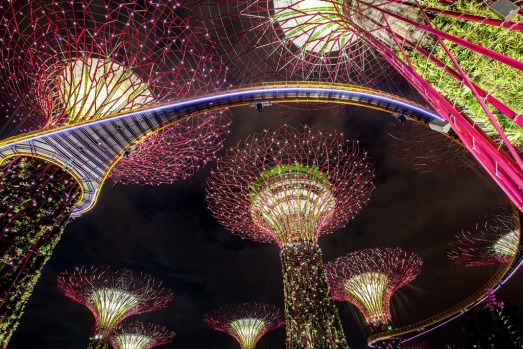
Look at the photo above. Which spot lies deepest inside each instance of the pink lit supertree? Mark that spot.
(246, 322)
(291, 40)
(289, 187)
(140, 335)
(64, 62)
(368, 279)
(495, 241)
(176, 153)
(112, 294)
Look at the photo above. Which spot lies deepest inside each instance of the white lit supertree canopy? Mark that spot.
(140, 335)
(292, 40)
(496, 241)
(65, 62)
(112, 294)
(246, 322)
(289, 187)
(368, 279)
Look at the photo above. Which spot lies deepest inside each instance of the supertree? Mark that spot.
(493, 242)
(291, 40)
(246, 322)
(112, 294)
(139, 335)
(289, 187)
(368, 279)
(64, 62)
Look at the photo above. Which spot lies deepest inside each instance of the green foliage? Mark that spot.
(36, 199)
(312, 319)
(497, 79)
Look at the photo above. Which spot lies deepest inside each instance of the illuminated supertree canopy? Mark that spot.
(246, 322)
(494, 242)
(66, 63)
(369, 278)
(140, 335)
(289, 187)
(292, 40)
(175, 153)
(112, 294)
(72, 62)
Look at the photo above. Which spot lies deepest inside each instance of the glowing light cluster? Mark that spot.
(292, 40)
(176, 152)
(246, 322)
(113, 294)
(369, 278)
(289, 183)
(62, 63)
(493, 242)
(139, 335)
(289, 187)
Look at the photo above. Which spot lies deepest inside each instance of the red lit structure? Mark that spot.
(112, 294)
(368, 279)
(494, 242)
(140, 335)
(246, 322)
(289, 187)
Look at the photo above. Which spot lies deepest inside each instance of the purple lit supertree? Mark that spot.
(289, 187)
(427, 151)
(287, 40)
(368, 279)
(112, 294)
(246, 322)
(64, 62)
(495, 241)
(176, 153)
(140, 335)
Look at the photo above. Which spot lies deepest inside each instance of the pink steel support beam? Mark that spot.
(472, 18)
(498, 164)
(514, 63)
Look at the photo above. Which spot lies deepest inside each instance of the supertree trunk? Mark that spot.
(311, 316)
(98, 344)
(36, 199)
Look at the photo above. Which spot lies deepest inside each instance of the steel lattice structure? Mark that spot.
(275, 40)
(246, 322)
(493, 242)
(68, 62)
(175, 153)
(289, 187)
(369, 278)
(140, 335)
(112, 294)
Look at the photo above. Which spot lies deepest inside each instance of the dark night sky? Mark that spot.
(168, 232)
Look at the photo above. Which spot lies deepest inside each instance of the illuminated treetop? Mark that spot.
(292, 40)
(63, 62)
(494, 242)
(246, 322)
(139, 335)
(368, 279)
(174, 153)
(112, 294)
(292, 184)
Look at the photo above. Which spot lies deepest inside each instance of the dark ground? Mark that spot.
(168, 232)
